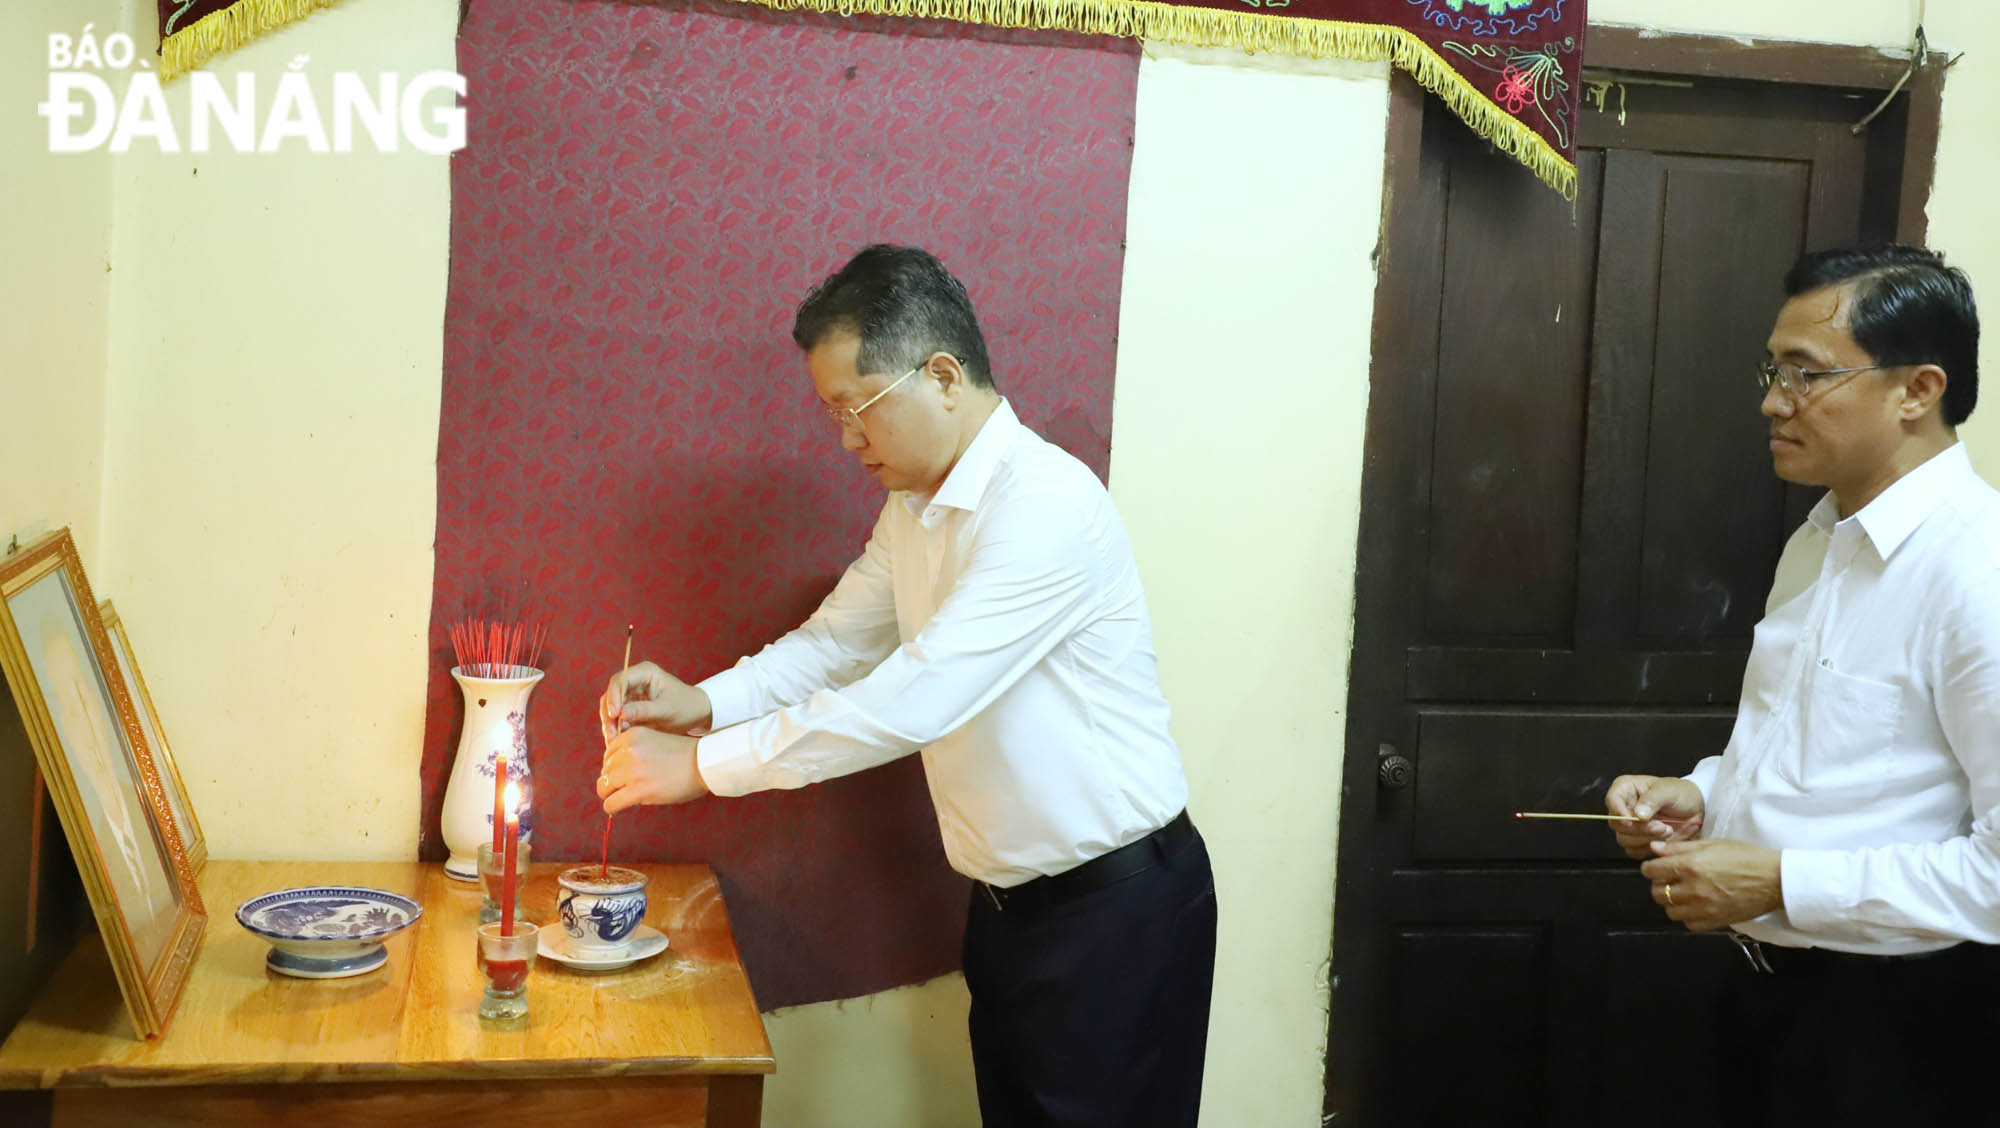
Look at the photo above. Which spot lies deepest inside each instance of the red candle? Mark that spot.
(513, 803)
(499, 794)
(507, 975)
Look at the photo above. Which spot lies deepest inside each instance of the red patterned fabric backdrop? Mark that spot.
(647, 193)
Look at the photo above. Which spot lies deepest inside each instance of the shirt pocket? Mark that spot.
(1848, 728)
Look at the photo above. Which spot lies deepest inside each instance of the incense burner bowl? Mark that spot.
(327, 931)
(600, 913)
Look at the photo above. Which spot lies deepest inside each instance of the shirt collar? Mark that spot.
(1896, 512)
(966, 484)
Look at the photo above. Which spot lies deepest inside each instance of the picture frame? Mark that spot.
(156, 739)
(91, 748)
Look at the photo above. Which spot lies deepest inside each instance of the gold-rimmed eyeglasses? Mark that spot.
(847, 418)
(1802, 383)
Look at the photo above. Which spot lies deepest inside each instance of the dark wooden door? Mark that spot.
(1569, 526)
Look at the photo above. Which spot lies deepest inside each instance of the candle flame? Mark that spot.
(513, 801)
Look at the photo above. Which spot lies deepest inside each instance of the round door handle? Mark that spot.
(1395, 772)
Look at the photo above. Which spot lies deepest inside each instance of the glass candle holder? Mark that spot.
(503, 963)
(489, 881)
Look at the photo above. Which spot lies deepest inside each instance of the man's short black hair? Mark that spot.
(904, 305)
(1909, 308)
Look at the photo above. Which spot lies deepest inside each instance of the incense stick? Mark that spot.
(624, 665)
(1602, 818)
(604, 851)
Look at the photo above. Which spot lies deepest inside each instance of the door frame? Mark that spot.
(1400, 300)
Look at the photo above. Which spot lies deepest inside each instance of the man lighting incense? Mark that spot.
(1849, 833)
(994, 621)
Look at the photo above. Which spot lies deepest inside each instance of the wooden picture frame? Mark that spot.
(156, 739)
(58, 661)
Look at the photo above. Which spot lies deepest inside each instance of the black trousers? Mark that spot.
(1093, 1011)
(1828, 1041)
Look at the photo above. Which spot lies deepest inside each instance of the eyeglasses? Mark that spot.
(850, 417)
(1802, 383)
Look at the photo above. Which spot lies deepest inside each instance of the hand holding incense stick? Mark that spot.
(1603, 818)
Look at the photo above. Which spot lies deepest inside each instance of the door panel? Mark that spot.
(1503, 480)
(1705, 501)
(1475, 768)
(1633, 992)
(1474, 998)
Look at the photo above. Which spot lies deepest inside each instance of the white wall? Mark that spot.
(1961, 207)
(55, 293)
(270, 491)
(1242, 392)
(1883, 23)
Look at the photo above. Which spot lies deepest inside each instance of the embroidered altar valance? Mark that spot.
(1507, 67)
(195, 31)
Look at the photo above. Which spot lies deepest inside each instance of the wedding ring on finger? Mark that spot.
(1670, 894)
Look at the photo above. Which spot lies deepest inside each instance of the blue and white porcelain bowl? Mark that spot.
(599, 910)
(327, 931)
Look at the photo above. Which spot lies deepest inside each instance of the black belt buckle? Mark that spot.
(1754, 952)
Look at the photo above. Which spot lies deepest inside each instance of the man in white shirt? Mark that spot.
(994, 622)
(1849, 834)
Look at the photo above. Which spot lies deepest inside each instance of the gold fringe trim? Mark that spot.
(224, 31)
(1253, 31)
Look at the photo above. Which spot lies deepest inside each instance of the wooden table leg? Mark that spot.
(25, 1108)
(736, 1101)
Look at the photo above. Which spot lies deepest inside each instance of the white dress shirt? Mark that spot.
(998, 626)
(1867, 743)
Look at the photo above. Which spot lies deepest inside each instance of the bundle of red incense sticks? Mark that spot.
(496, 648)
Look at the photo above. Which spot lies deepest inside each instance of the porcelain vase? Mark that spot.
(496, 721)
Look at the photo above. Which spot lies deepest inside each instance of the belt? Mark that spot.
(1105, 869)
(1776, 959)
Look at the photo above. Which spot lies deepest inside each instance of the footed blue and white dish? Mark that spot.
(327, 931)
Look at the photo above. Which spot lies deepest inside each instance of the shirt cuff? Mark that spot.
(727, 763)
(728, 698)
(1811, 882)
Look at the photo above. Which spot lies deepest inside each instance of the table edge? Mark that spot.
(117, 1077)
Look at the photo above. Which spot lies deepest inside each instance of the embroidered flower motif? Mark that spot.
(1489, 19)
(1515, 91)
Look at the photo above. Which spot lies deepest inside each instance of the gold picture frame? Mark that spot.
(58, 661)
(156, 739)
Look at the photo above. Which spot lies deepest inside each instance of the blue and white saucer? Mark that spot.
(327, 931)
(553, 942)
